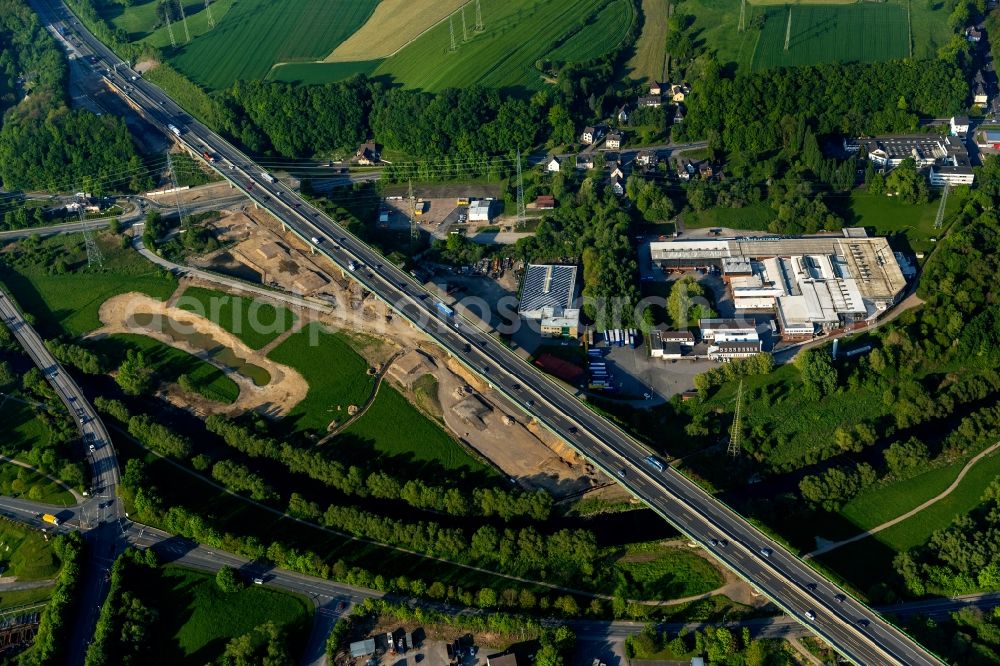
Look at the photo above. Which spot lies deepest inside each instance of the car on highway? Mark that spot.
(810, 615)
(840, 598)
(258, 581)
(766, 552)
(623, 472)
(655, 463)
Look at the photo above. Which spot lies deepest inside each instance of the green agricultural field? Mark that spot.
(336, 374)
(257, 34)
(25, 554)
(310, 73)
(200, 619)
(170, 363)
(830, 33)
(610, 27)
(68, 303)
(396, 429)
(254, 322)
(518, 33)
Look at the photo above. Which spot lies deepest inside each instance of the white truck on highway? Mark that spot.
(268, 177)
(173, 128)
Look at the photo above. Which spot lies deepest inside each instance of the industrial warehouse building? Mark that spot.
(810, 284)
(547, 296)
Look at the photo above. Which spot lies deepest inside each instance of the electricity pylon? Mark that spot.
(465, 33)
(94, 256)
(184, 19)
(743, 16)
(939, 220)
(170, 28)
(414, 231)
(451, 31)
(479, 17)
(520, 191)
(788, 29)
(737, 431)
(211, 19)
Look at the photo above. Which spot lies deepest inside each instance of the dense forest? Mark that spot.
(43, 143)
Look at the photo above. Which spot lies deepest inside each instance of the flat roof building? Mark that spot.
(546, 287)
(560, 322)
(481, 210)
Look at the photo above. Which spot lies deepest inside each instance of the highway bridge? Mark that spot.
(852, 628)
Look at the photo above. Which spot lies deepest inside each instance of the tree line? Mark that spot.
(354, 481)
(139, 493)
(50, 642)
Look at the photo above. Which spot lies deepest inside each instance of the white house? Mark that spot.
(959, 125)
(591, 134)
(554, 165)
(617, 186)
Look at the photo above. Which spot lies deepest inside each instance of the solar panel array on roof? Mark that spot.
(546, 286)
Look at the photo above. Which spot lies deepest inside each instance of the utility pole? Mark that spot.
(737, 431)
(187, 33)
(451, 31)
(211, 19)
(465, 33)
(170, 28)
(520, 191)
(479, 17)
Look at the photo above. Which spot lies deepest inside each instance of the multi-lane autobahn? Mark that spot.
(855, 630)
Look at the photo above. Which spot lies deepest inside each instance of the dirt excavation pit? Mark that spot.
(265, 386)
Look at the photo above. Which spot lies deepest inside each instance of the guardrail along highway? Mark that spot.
(855, 630)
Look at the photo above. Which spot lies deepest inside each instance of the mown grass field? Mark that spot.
(200, 619)
(257, 34)
(22, 430)
(17, 481)
(756, 216)
(169, 364)
(397, 430)
(69, 303)
(254, 322)
(25, 554)
(652, 571)
(890, 216)
(517, 34)
(829, 33)
(336, 374)
(651, 47)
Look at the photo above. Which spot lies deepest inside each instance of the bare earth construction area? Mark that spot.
(265, 386)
